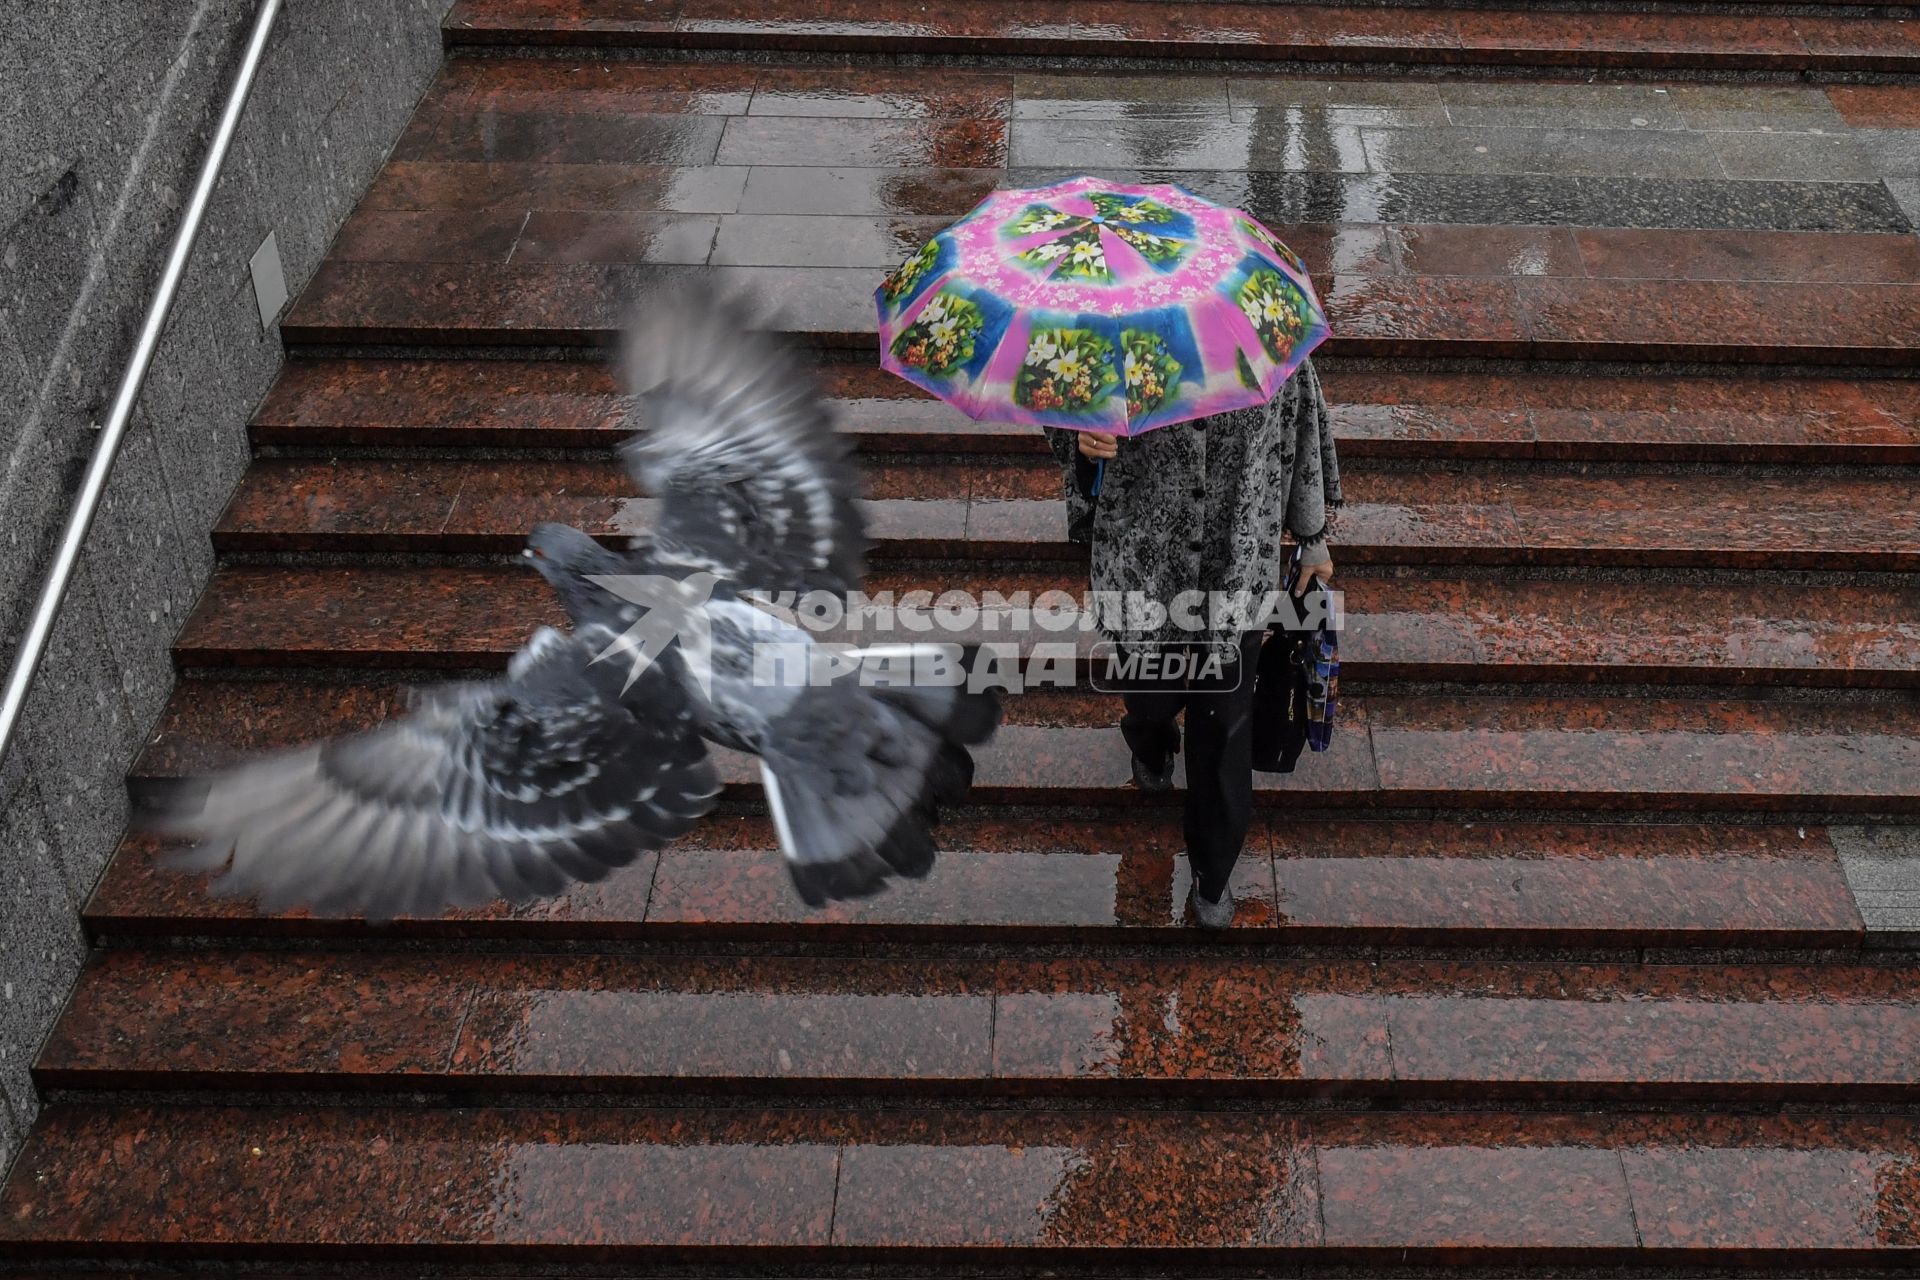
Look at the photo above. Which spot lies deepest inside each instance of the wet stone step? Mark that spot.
(1081, 1026)
(1004, 510)
(1520, 414)
(1396, 628)
(812, 238)
(1497, 317)
(1007, 877)
(780, 1186)
(1457, 752)
(637, 211)
(1591, 37)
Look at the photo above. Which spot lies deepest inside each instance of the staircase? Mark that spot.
(1581, 951)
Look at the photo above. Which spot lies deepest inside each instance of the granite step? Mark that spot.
(1082, 1026)
(1591, 37)
(774, 1187)
(1496, 631)
(1521, 414)
(1455, 752)
(1008, 878)
(1346, 251)
(1398, 316)
(1002, 510)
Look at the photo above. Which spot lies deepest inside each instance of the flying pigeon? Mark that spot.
(593, 748)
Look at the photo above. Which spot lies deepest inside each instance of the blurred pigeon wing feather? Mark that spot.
(855, 776)
(508, 789)
(755, 484)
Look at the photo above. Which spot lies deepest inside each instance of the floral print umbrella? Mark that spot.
(1100, 306)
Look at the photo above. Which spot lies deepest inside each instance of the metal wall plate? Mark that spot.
(269, 280)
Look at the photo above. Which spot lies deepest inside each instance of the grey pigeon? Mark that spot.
(591, 750)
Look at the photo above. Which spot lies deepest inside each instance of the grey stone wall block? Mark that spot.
(35, 493)
(13, 1132)
(208, 375)
(23, 106)
(78, 737)
(46, 263)
(135, 553)
(16, 385)
(41, 946)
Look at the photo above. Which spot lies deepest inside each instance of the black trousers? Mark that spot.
(1219, 751)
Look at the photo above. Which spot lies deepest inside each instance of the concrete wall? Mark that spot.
(106, 107)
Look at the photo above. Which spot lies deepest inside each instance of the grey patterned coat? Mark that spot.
(1201, 505)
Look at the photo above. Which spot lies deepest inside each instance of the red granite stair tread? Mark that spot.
(508, 403)
(550, 304)
(1877, 106)
(1564, 884)
(491, 504)
(1455, 752)
(1703, 1184)
(1272, 31)
(1021, 877)
(335, 1183)
(1398, 628)
(590, 85)
(852, 1021)
(141, 897)
(472, 1021)
(1808, 256)
(1698, 320)
(999, 509)
(1403, 316)
(365, 1183)
(1607, 753)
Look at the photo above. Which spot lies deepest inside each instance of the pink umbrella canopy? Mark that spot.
(1100, 306)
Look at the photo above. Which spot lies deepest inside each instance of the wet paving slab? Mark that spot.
(784, 140)
(883, 94)
(830, 241)
(616, 238)
(525, 186)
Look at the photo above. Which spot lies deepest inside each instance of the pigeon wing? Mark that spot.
(755, 484)
(506, 789)
(856, 777)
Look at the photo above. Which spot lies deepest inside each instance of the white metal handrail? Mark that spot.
(33, 644)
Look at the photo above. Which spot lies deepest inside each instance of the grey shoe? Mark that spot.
(1213, 915)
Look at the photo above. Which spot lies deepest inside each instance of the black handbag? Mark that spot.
(1087, 475)
(1296, 682)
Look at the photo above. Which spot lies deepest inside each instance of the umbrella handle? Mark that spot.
(1099, 474)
